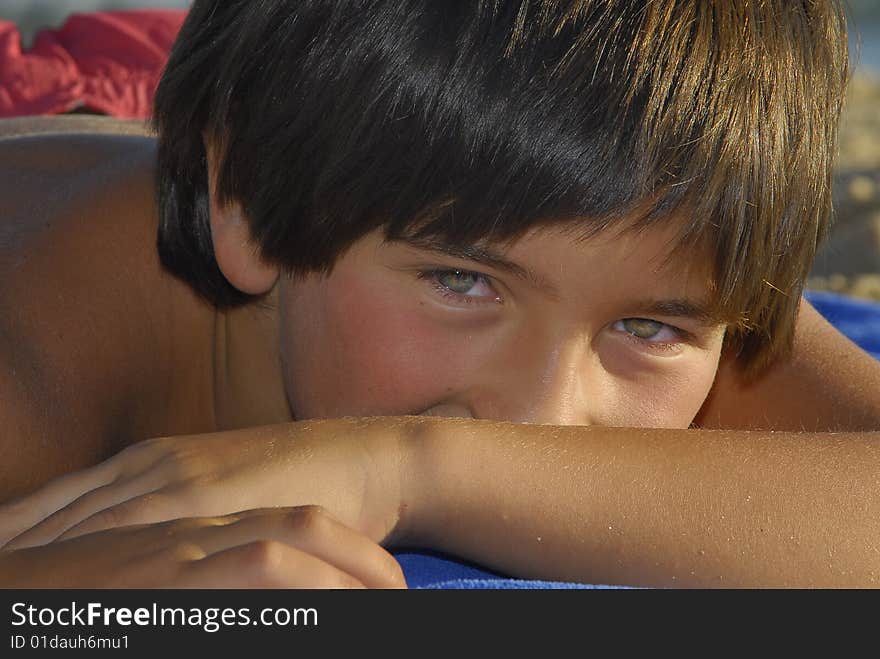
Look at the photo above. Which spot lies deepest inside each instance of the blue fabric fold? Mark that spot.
(859, 320)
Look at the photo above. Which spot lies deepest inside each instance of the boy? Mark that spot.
(578, 229)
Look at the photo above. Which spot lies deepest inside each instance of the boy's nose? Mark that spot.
(552, 386)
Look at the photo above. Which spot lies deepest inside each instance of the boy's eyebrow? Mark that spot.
(674, 308)
(484, 255)
(680, 308)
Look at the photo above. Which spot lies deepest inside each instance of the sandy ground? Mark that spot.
(849, 261)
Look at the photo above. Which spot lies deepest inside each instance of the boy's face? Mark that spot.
(548, 330)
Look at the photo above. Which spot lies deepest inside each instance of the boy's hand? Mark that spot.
(280, 548)
(349, 467)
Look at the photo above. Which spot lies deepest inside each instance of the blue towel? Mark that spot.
(858, 320)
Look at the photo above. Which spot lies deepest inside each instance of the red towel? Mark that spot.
(107, 62)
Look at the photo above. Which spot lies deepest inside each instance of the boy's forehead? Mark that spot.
(658, 247)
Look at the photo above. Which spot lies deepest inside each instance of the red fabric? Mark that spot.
(109, 62)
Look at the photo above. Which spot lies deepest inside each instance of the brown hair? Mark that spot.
(471, 120)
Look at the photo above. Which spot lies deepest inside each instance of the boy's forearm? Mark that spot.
(649, 507)
(827, 383)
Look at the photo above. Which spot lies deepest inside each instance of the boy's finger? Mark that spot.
(263, 564)
(103, 508)
(312, 530)
(25, 512)
(150, 503)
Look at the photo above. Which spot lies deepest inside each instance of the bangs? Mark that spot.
(703, 114)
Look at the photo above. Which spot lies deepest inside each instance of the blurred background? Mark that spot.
(31, 15)
(849, 261)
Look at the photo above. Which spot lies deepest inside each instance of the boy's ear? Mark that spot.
(237, 255)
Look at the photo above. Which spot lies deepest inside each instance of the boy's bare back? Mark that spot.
(90, 324)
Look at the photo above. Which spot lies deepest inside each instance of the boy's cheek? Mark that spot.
(413, 366)
(677, 402)
(660, 399)
(664, 409)
(373, 356)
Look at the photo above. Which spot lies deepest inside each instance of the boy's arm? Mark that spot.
(592, 504)
(828, 383)
(651, 507)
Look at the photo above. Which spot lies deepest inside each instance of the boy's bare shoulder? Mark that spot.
(85, 307)
(72, 202)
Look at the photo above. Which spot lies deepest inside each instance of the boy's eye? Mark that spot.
(461, 285)
(458, 281)
(648, 330)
